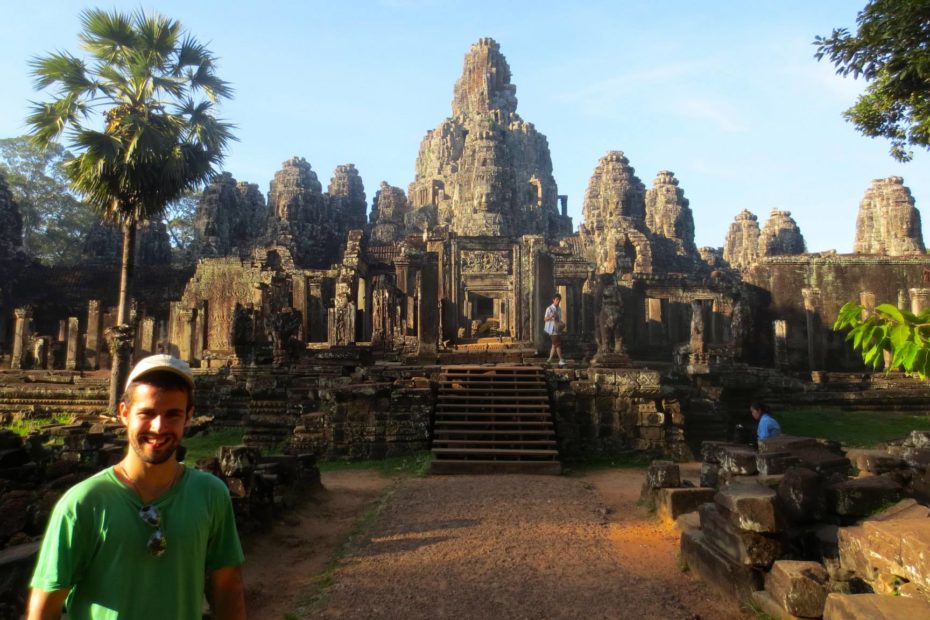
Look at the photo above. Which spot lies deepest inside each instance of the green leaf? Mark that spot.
(899, 335)
(891, 311)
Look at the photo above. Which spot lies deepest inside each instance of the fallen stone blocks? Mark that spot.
(798, 538)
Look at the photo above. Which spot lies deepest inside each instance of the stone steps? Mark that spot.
(493, 419)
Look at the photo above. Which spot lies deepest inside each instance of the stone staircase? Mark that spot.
(490, 350)
(493, 419)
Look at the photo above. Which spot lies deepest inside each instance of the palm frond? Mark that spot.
(157, 38)
(107, 35)
(63, 69)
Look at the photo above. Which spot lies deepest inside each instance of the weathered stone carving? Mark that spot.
(614, 193)
(282, 328)
(311, 224)
(387, 214)
(781, 236)
(347, 197)
(888, 223)
(486, 170)
(229, 215)
(609, 324)
(486, 261)
(668, 214)
(741, 247)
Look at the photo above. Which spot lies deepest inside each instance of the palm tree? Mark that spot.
(138, 114)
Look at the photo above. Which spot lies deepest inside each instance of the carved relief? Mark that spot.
(486, 261)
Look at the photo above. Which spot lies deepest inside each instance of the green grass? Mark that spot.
(416, 464)
(206, 446)
(620, 461)
(24, 427)
(860, 429)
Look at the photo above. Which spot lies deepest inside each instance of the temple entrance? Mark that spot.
(488, 313)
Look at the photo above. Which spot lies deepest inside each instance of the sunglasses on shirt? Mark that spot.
(157, 544)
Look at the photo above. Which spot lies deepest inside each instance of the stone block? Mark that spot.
(787, 443)
(763, 602)
(901, 547)
(688, 521)
(874, 607)
(752, 507)
(672, 503)
(823, 461)
(873, 461)
(742, 546)
(801, 495)
(800, 588)
(709, 475)
(863, 496)
(723, 574)
(238, 461)
(905, 509)
(918, 458)
(711, 450)
(918, 439)
(663, 475)
(775, 463)
(738, 460)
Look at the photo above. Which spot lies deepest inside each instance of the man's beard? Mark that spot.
(153, 456)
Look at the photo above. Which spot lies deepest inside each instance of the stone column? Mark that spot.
(185, 320)
(146, 337)
(654, 328)
(813, 307)
(567, 308)
(300, 300)
(364, 314)
(119, 342)
(316, 312)
(21, 332)
(72, 357)
(92, 340)
(780, 329)
(428, 307)
(698, 328)
(201, 335)
(920, 299)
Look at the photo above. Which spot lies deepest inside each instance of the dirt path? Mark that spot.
(492, 547)
(284, 566)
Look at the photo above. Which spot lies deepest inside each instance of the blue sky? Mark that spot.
(725, 94)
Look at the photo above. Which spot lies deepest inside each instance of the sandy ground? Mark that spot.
(478, 547)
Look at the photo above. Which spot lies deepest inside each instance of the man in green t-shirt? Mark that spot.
(138, 539)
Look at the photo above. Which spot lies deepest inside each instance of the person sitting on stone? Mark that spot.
(768, 426)
(554, 327)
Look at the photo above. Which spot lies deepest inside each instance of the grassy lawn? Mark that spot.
(414, 464)
(24, 427)
(205, 446)
(860, 429)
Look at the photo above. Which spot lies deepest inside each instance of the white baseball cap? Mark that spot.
(163, 362)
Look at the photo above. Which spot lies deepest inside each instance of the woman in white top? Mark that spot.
(554, 327)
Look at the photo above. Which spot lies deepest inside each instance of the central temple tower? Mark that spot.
(486, 171)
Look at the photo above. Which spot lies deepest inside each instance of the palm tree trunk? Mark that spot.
(121, 338)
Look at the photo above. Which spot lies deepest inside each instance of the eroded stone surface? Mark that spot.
(230, 215)
(800, 588)
(485, 169)
(751, 505)
(743, 546)
(668, 214)
(781, 236)
(387, 214)
(888, 222)
(741, 247)
(873, 607)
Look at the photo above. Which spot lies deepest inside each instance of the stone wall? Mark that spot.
(807, 292)
(611, 411)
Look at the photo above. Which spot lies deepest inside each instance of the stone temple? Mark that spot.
(335, 319)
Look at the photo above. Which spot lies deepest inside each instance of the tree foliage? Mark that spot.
(138, 112)
(891, 51)
(55, 222)
(903, 335)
